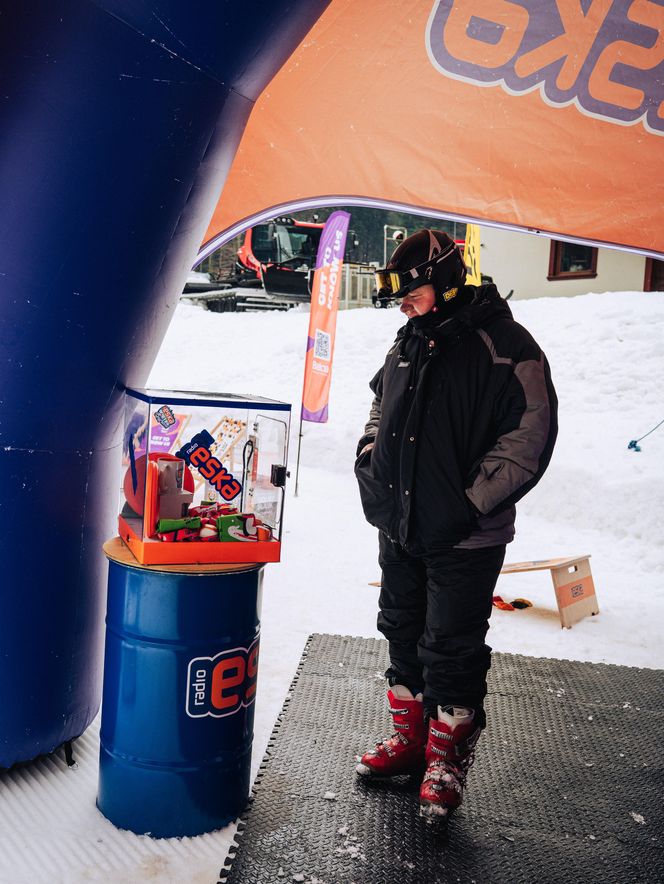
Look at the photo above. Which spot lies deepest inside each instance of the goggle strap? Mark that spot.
(415, 271)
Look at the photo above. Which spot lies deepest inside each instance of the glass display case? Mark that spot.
(203, 477)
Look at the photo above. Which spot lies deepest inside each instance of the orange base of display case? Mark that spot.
(156, 552)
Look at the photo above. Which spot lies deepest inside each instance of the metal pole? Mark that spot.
(400, 233)
(297, 466)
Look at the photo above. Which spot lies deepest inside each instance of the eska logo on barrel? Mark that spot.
(223, 684)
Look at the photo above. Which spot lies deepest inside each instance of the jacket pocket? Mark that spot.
(486, 486)
(375, 495)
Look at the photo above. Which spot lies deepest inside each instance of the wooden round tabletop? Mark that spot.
(119, 552)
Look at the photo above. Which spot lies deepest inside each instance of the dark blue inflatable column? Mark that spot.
(119, 121)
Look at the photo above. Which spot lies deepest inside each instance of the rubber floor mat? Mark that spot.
(567, 786)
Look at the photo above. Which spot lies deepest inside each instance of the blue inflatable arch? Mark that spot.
(120, 120)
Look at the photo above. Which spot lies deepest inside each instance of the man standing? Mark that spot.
(462, 425)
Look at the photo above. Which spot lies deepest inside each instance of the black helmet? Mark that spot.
(427, 256)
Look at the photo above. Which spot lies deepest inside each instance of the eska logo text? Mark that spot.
(198, 454)
(603, 56)
(223, 684)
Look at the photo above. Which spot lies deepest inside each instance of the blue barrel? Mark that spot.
(180, 676)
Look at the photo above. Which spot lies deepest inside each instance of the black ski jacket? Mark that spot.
(463, 423)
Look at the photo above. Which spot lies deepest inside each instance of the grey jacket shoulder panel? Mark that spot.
(526, 426)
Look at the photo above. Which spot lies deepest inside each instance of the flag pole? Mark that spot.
(297, 466)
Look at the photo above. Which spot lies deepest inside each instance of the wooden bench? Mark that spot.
(573, 584)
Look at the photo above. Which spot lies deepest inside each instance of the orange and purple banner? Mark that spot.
(545, 117)
(323, 318)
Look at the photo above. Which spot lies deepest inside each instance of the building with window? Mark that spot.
(533, 266)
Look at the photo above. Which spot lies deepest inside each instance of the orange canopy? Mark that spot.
(539, 116)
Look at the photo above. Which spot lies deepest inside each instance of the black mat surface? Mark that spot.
(568, 782)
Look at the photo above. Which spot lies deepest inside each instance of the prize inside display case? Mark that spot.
(203, 477)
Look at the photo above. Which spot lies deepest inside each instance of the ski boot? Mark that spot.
(449, 756)
(403, 752)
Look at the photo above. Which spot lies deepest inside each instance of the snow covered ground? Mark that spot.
(597, 498)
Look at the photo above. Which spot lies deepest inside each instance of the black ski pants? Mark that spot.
(434, 612)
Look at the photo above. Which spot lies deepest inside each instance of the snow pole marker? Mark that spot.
(634, 446)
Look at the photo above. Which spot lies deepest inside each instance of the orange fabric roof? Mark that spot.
(533, 115)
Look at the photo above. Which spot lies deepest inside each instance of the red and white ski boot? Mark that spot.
(449, 755)
(403, 752)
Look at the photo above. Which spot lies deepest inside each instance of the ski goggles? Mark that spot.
(399, 283)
